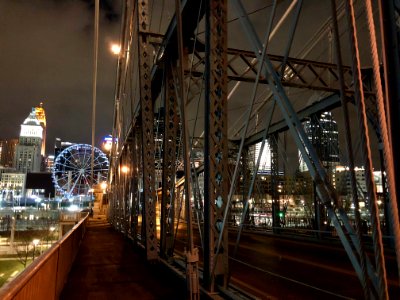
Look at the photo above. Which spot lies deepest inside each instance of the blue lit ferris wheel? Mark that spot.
(72, 170)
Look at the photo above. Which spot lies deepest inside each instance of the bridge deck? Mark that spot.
(108, 267)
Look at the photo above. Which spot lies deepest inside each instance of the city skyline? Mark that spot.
(47, 56)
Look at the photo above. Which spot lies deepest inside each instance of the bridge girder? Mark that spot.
(229, 66)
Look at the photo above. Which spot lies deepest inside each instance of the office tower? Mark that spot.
(265, 161)
(41, 116)
(28, 153)
(7, 152)
(322, 131)
(59, 146)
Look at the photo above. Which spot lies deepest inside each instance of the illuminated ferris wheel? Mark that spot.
(72, 170)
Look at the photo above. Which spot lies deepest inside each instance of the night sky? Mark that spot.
(46, 55)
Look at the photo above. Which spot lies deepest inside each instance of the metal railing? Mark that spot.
(46, 276)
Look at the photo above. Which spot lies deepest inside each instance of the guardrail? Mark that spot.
(46, 276)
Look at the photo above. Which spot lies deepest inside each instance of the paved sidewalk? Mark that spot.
(108, 267)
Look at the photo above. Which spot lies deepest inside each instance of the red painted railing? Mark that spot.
(46, 276)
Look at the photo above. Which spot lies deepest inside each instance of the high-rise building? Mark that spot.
(12, 188)
(49, 162)
(7, 152)
(41, 116)
(342, 181)
(59, 146)
(322, 131)
(265, 161)
(28, 153)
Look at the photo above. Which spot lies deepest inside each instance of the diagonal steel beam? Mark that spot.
(325, 104)
(324, 188)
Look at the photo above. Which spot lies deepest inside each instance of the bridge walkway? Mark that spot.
(109, 267)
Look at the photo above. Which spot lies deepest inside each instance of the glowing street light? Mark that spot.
(35, 242)
(103, 185)
(107, 147)
(115, 49)
(51, 235)
(124, 169)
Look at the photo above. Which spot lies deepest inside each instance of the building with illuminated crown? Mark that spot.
(41, 116)
(28, 151)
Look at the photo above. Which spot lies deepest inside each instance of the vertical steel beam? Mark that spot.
(207, 209)
(134, 187)
(171, 124)
(128, 189)
(218, 144)
(318, 173)
(291, 36)
(273, 143)
(366, 153)
(191, 252)
(147, 115)
(124, 190)
(245, 182)
(316, 133)
(390, 33)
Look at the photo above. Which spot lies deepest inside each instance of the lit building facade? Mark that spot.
(12, 188)
(343, 184)
(41, 116)
(265, 160)
(59, 146)
(49, 162)
(7, 152)
(322, 131)
(5, 170)
(28, 151)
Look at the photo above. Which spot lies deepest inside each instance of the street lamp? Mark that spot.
(51, 229)
(37, 200)
(107, 144)
(124, 169)
(115, 49)
(35, 242)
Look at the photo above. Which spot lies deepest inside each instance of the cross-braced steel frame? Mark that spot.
(160, 62)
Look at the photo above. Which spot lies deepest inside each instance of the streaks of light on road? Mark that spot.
(302, 261)
(252, 289)
(291, 280)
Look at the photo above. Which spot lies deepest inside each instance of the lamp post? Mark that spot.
(125, 169)
(37, 200)
(35, 242)
(116, 49)
(51, 229)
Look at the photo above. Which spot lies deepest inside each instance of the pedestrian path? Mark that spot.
(109, 267)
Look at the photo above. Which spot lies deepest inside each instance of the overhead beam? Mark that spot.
(299, 73)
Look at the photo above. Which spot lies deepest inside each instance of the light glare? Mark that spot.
(116, 49)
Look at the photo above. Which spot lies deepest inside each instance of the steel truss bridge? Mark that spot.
(196, 91)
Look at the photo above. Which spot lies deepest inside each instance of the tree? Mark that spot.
(24, 249)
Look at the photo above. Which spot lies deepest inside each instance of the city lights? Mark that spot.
(124, 169)
(115, 49)
(107, 143)
(103, 185)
